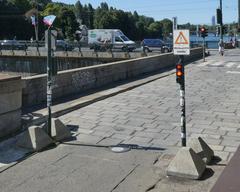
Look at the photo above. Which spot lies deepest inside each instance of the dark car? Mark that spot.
(149, 45)
(62, 45)
(12, 45)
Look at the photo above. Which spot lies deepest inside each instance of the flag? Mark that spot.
(33, 19)
(48, 20)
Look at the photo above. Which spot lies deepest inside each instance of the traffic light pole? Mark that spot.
(203, 49)
(182, 102)
(49, 82)
(221, 26)
(238, 13)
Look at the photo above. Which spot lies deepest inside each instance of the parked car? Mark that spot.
(149, 45)
(62, 45)
(12, 45)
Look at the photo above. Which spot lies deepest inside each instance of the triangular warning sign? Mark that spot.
(181, 39)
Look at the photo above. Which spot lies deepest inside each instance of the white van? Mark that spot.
(103, 39)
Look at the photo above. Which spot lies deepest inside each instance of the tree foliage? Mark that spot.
(69, 17)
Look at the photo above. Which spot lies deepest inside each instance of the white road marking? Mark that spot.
(217, 64)
(230, 64)
(203, 64)
(233, 72)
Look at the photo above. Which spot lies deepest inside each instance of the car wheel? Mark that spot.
(146, 50)
(164, 51)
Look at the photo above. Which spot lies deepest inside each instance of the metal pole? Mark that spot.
(49, 81)
(238, 13)
(203, 49)
(36, 33)
(221, 25)
(174, 23)
(182, 104)
(36, 26)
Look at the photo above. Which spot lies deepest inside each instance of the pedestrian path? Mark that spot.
(149, 115)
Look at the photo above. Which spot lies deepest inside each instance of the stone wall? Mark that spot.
(28, 66)
(79, 80)
(10, 105)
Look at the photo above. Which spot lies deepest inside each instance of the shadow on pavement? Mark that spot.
(208, 173)
(130, 146)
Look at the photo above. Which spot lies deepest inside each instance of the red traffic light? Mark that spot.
(179, 73)
(202, 29)
(179, 70)
(179, 66)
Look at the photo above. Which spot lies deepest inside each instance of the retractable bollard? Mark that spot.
(181, 81)
(187, 163)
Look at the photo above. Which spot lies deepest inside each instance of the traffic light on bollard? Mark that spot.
(179, 73)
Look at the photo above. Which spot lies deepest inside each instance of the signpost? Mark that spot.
(49, 81)
(181, 46)
(48, 20)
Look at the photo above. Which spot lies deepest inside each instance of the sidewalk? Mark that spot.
(148, 117)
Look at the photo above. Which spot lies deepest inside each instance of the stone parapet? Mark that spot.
(79, 80)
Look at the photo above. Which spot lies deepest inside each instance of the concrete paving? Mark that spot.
(148, 119)
(150, 115)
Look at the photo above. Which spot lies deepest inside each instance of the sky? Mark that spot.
(192, 11)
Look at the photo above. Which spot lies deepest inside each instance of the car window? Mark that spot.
(124, 38)
(118, 39)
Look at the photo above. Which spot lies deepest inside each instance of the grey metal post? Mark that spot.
(203, 49)
(182, 103)
(49, 81)
(36, 21)
(174, 23)
(221, 25)
(238, 13)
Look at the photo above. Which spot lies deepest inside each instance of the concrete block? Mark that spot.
(59, 131)
(35, 138)
(202, 149)
(186, 164)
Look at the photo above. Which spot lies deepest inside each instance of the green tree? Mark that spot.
(69, 24)
(166, 27)
(155, 30)
(79, 11)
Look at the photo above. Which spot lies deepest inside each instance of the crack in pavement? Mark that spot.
(116, 186)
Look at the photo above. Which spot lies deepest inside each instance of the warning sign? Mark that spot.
(181, 42)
